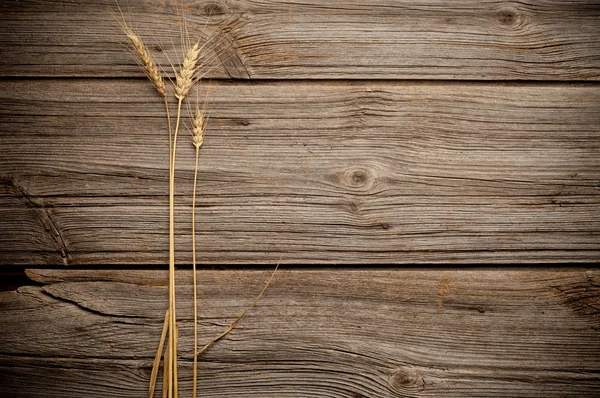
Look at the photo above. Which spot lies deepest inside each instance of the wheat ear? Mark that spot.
(150, 69)
(184, 80)
(146, 61)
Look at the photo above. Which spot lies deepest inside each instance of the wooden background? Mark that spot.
(344, 134)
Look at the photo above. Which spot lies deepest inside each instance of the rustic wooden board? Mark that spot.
(376, 333)
(321, 173)
(410, 39)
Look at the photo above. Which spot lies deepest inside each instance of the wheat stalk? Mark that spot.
(242, 315)
(166, 387)
(199, 126)
(159, 351)
(153, 74)
(184, 82)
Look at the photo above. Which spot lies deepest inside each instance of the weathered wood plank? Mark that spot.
(414, 39)
(322, 173)
(378, 333)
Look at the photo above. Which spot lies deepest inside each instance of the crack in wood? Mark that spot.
(42, 213)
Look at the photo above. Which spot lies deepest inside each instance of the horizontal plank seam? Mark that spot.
(341, 81)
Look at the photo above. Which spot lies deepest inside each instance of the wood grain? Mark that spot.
(321, 173)
(375, 333)
(385, 39)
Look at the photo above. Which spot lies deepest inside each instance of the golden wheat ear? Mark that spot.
(199, 126)
(145, 61)
(184, 79)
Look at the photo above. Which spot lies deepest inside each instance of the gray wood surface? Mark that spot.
(377, 172)
(372, 333)
(409, 39)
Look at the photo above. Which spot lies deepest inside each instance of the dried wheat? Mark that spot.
(185, 79)
(242, 315)
(199, 125)
(146, 62)
(159, 351)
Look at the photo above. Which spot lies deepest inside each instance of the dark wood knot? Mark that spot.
(406, 379)
(358, 178)
(214, 8)
(507, 17)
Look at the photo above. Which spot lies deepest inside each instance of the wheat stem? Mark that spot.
(239, 318)
(159, 351)
(166, 387)
(195, 382)
(166, 362)
(199, 125)
(175, 385)
(173, 319)
(169, 127)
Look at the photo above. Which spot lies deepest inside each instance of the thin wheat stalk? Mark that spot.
(175, 385)
(159, 351)
(199, 126)
(173, 357)
(166, 387)
(239, 318)
(183, 83)
(157, 80)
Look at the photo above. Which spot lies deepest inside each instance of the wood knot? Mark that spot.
(405, 379)
(214, 9)
(358, 178)
(580, 293)
(507, 17)
(145, 370)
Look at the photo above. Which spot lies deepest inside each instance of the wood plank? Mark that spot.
(356, 333)
(319, 173)
(385, 39)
